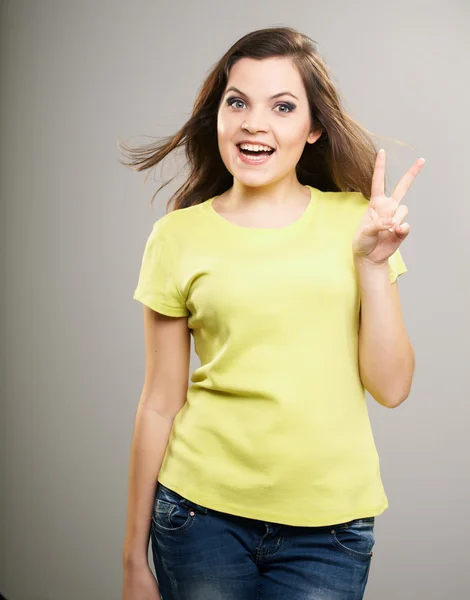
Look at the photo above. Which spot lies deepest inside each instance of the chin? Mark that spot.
(254, 179)
(247, 173)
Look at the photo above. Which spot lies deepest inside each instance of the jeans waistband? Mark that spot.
(169, 495)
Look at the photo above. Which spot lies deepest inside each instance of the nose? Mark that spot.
(254, 122)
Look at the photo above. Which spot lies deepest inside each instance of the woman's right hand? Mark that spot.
(140, 584)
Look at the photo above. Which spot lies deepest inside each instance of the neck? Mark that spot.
(284, 192)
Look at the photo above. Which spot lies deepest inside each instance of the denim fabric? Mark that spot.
(202, 554)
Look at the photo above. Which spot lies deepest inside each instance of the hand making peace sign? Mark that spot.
(377, 236)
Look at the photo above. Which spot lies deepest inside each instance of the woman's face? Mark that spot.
(281, 122)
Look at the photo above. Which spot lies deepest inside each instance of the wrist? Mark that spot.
(134, 560)
(370, 273)
(362, 262)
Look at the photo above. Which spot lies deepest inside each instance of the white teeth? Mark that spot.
(255, 147)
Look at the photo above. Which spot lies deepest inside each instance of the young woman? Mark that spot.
(261, 481)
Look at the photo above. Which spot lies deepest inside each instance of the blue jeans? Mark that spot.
(203, 554)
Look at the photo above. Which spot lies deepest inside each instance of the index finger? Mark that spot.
(378, 176)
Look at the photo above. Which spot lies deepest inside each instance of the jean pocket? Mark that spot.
(355, 538)
(170, 514)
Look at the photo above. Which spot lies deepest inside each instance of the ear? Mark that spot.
(313, 136)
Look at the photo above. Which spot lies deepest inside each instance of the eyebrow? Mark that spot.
(234, 89)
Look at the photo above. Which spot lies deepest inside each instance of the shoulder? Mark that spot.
(344, 206)
(178, 224)
(346, 200)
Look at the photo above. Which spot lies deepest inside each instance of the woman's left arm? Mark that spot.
(386, 357)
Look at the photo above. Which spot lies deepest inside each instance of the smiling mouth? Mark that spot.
(251, 153)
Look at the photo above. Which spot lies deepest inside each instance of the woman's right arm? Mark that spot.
(167, 354)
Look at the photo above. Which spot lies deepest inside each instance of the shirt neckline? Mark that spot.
(266, 231)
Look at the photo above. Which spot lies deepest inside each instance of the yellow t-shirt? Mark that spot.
(276, 425)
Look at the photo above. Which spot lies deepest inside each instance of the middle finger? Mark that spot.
(405, 182)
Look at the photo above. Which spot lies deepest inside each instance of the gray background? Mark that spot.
(77, 76)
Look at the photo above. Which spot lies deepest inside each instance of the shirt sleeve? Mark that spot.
(396, 266)
(157, 285)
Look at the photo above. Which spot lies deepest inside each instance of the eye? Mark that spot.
(286, 105)
(290, 107)
(231, 101)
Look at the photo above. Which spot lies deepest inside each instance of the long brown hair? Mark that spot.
(342, 159)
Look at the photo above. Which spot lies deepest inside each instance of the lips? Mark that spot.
(255, 143)
(254, 159)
